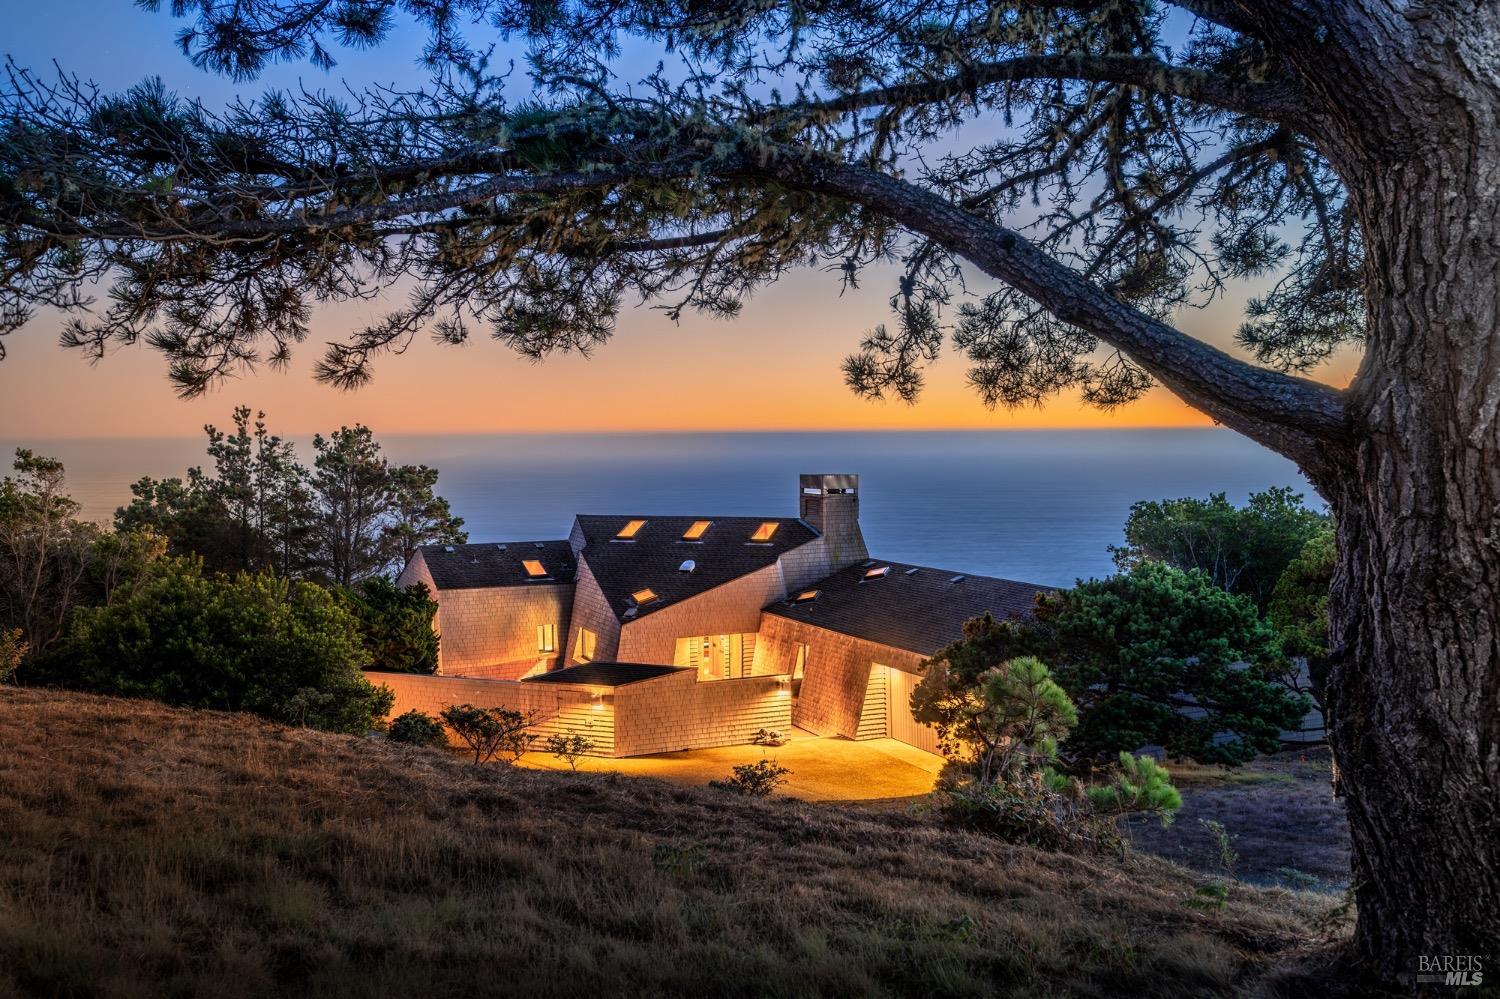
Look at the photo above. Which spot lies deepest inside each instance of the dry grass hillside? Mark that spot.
(151, 851)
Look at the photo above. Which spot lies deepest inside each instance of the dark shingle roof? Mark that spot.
(655, 556)
(604, 674)
(468, 567)
(919, 611)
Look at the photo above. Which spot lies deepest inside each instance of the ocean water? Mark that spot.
(1039, 506)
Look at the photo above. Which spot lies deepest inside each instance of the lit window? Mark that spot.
(799, 665)
(643, 596)
(546, 638)
(696, 531)
(764, 531)
(879, 572)
(630, 530)
(583, 652)
(806, 596)
(533, 568)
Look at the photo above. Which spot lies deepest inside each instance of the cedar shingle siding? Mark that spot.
(737, 591)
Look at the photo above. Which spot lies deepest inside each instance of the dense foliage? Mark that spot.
(1004, 719)
(1299, 606)
(395, 624)
(351, 516)
(1242, 549)
(1154, 656)
(282, 649)
(51, 562)
(417, 728)
(1000, 729)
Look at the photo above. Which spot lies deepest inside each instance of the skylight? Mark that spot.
(958, 579)
(910, 572)
(765, 530)
(687, 566)
(631, 529)
(806, 596)
(696, 531)
(533, 568)
(643, 596)
(879, 572)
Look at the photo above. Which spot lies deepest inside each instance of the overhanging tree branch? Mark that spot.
(1294, 415)
(1275, 102)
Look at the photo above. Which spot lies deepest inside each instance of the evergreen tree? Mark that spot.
(396, 624)
(418, 516)
(1242, 549)
(351, 484)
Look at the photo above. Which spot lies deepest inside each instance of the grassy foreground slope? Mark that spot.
(155, 851)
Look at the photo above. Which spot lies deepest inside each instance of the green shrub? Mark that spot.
(569, 748)
(489, 732)
(417, 728)
(396, 624)
(285, 650)
(756, 780)
(1139, 785)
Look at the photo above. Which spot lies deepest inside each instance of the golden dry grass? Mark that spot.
(152, 851)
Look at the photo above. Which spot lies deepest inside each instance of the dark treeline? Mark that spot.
(352, 515)
(257, 583)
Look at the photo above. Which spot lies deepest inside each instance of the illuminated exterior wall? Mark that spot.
(837, 673)
(591, 611)
(679, 712)
(560, 709)
(731, 609)
(492, 631)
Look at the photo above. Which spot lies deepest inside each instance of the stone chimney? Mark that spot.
(830, 504)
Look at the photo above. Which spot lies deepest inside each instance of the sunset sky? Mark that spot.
(775, 367)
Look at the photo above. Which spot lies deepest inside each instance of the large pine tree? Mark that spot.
(1347, 153)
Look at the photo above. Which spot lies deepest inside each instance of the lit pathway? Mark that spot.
(822, 769)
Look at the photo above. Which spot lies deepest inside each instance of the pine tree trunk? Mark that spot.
(1414, 687)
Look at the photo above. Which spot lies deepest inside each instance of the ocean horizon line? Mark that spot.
(616, 432)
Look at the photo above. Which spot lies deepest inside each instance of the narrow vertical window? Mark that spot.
(799, 664)
(584, 653)
(546, 638)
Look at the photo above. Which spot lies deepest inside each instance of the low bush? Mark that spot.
(755, 780)
(569, 748)
(417, 728)
(1031, 812)
(491, 732)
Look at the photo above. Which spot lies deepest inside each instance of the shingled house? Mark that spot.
(662, 633)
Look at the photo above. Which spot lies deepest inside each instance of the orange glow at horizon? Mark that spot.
(775, 368)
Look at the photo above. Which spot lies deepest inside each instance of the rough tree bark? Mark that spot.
(1414, 689)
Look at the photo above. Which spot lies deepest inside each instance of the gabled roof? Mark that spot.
(604, 674)
(468, 567)
(653, 558)
(920, 611)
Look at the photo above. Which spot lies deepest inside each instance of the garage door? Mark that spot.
(897, 686)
